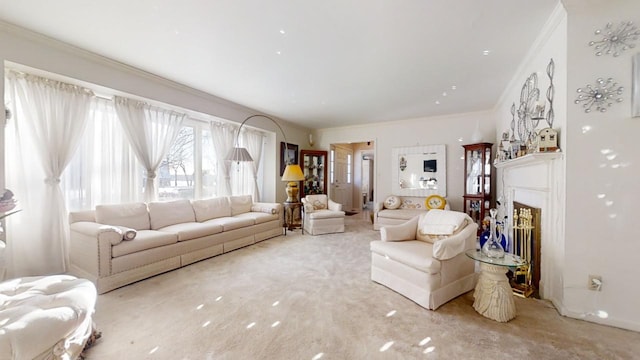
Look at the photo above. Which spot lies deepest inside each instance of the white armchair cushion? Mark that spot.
(401, 232)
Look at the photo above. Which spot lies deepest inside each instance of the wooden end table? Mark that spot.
(292, 215)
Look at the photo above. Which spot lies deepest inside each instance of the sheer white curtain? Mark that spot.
(150, 131)
(222, 135)
(254, 141)
(49, 118)
(104, 170)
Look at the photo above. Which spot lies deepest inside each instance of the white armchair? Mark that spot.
(321, 215)
(424, 258)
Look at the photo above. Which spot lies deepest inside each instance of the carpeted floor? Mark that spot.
(310, 297)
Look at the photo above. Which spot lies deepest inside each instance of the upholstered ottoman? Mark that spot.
(45, 317)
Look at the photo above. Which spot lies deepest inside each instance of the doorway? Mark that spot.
(351, 175)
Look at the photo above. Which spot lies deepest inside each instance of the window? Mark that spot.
(176, 172)
(332, 165)
(349, 156)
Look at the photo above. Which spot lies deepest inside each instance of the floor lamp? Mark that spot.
(292, 172)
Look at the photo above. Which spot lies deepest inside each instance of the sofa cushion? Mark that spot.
(165, 213)
(414, 253)
(240, 204)
(392, 202)
(326, 214)
(145, 239)
(231, 223)
(192, 230)
(401, 214)
(258, 217)
(132, 215)
(207, 209)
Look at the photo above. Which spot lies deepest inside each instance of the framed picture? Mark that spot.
(288, 155)
(635, 87)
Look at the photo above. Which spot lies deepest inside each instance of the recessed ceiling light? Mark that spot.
(437, 102)
(279, 52)
(282, 31)
(453, 87)
(486, 52)
(444, 93)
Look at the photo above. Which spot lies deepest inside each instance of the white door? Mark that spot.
(342, 179)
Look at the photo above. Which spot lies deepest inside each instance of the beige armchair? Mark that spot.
(321, 215)
(424, 258)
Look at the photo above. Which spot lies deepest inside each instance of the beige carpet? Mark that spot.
(310, 297)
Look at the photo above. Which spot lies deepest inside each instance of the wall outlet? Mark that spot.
(595, 282)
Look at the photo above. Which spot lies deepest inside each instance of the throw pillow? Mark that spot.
(319, 205)
(392, 202)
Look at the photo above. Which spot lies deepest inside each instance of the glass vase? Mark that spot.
(492, 247)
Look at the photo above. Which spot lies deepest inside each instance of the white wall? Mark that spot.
(550, 44)
(36, 51)
(452, 131)
(602, 193)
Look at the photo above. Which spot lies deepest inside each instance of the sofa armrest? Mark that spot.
(454, 245)
(400, 232)
(334, 206)
(269, 208)
(90, 246)
(378, 207)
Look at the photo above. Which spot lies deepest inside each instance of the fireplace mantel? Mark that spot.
(529, 159)
(537, 180)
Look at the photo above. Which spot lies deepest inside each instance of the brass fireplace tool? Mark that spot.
(523, 229)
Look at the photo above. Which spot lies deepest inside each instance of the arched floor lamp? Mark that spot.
(292, 172)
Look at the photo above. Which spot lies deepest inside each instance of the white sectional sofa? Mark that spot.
(115, 245)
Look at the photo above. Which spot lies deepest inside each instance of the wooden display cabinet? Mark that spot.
(478, 181)
(314, 167)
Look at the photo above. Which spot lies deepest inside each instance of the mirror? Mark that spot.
(419, 170)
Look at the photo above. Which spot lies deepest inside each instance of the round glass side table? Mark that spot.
(493, 297)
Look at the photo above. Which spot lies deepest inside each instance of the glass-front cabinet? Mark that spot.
(314, 167)
(478, 181)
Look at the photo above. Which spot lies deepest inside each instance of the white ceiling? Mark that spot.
(317, 63)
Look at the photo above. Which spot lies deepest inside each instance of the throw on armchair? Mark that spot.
(321, 215)
(424, 258)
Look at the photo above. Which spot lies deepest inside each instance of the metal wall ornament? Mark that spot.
(615, 41)
(601, 96)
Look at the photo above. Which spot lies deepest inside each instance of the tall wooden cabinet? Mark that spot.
(478, 181)
(314, 166)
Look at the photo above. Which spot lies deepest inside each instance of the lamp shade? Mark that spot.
(239, 154)
(293, 172)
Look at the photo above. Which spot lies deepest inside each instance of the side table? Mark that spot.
(493, 297)
(291, 215)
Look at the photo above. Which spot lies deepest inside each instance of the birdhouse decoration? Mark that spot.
(548, 140)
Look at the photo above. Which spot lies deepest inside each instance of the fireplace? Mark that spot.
(536, 181)
(527, 240)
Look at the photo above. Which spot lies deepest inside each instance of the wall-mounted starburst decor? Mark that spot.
(601, 95)
(615, 40)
